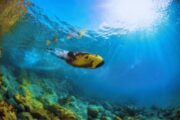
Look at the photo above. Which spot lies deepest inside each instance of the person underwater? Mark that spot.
(78, 59)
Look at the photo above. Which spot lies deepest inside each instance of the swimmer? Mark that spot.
(78, 59)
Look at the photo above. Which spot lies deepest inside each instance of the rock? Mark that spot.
(116, 118)
(93, 111)
(143, 117)
(67, 100)
(130, 118)
(7, 112)
(132, 110)
(108, 106)
(177, 112)
(105, 118)
(62, 112)
(28, 102)
(39, 111)
(33, 106)
(27, 99)
(20, 107)
(1, 78)
(10, 13)
(167, 113)
(49, 98)
(120, 113)
(25, 116)
(41, 114)
(8, 95)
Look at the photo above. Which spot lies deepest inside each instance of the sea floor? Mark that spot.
(27, 96)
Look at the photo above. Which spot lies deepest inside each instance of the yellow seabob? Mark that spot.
(87, 60)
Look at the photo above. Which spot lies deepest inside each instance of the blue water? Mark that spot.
(140, 65)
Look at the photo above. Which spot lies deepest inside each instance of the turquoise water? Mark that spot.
(141, 66)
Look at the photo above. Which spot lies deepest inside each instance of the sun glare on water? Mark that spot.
(133, 14)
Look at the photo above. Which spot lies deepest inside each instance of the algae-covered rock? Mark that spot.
(173, 114)
(41, 114)
(62, 112)
(3, 89)
(67, 100)
(37, 110)
(117, 118)
(7, 112)
(177, 113)
(28, 102)
(21, 107)
(1, 52)
(10, 12)
(93, 111)
(105, 118)
(49, 99)
(130, 118)
(1, 78)
(33, 106)
(25, 116)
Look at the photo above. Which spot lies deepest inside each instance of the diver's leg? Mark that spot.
(59, 52)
